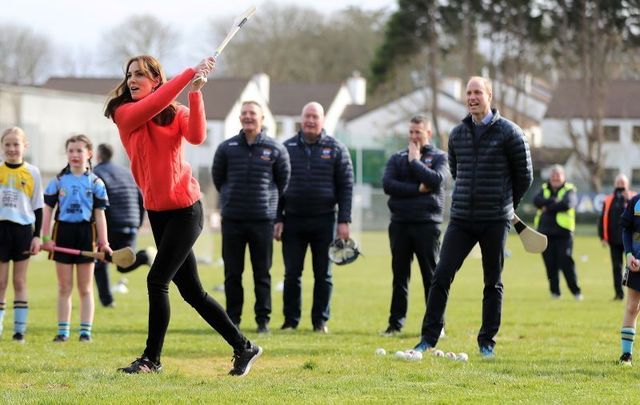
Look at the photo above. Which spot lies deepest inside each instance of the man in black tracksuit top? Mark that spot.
(321, 177)
(414, 179)
(250, 171)
(490, 162)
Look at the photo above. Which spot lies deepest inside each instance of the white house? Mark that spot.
(49, 117)
(569, 109)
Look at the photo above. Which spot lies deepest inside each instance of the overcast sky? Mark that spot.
(80, 23)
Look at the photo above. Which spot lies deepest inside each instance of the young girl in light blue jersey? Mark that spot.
(20, 221)
(81, 198)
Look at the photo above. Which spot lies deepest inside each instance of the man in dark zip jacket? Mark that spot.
(250, 171)
(490, 162)
(321, 179)
(414, 179)
(124, 214)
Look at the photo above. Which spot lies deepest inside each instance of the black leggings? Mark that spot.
(175, 232)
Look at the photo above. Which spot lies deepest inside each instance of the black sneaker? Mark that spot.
(321, 328)
(391, 331)
(288, 326)
(142, 365)
(243, 360)
(60, 338)
(626, 359)
(18, 337)
(85, 338)
(263, 328)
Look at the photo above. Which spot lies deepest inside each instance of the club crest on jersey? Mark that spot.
(326, 153)
(266, 154)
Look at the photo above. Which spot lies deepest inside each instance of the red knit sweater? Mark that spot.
(156, 153)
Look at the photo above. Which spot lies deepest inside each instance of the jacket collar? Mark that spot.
(468, 120)
(323, 137)
(259, 138)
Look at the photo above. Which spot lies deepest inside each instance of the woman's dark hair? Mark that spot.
(122, 95)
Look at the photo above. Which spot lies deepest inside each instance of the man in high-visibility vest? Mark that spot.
(610, 230)
(556, 218)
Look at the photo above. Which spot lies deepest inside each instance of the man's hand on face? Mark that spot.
(414, 151)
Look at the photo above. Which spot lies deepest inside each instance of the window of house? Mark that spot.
(298, 126)
(609, 176)
(611, 133)
(279, 128)
(635, 177)
(635, 133)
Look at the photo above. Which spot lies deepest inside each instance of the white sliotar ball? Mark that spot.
(462, 357)
(414, 355)
(450, 355)
(380, 351)
(401, 355)
(438, 353)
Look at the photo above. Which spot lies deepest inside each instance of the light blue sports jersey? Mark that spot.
(76, 196)
(20, 193)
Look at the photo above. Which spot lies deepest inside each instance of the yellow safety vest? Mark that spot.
(564, 219)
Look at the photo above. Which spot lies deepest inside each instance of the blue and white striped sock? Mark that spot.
(63, 328)
(1, 316)
(627, 336)
(85, 328)
(20, 312)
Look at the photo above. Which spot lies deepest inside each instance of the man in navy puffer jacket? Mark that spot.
(250, 171)
(321, 179)
(490, 162)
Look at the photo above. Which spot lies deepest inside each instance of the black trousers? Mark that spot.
(459, 239)
(558, 256)
(258, 235)
(175, 232)
(117, 240)
(617, 258)
(407, 240)
(299, 233)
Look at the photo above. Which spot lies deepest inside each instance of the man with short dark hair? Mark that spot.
(124, 214)
(321, 180)
(250, 171)
(414, 179)
(490, 161)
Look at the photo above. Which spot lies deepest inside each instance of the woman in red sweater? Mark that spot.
(152, 127)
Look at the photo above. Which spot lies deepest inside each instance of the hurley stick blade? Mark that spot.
(532, 240)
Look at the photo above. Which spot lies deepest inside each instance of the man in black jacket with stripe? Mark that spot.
(250, 171)
(414, 179)
(490, 162)
(321, 178)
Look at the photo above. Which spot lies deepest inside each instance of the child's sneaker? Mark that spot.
(85, 338)
(18, 337)
(625, 359)
(142, 365)
(60, 338)
(243, 360)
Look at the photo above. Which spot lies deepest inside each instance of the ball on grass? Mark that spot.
(438, 353)
(414, 355)
(400, 355)
(380, 351)
(450, 355)
(464, 357)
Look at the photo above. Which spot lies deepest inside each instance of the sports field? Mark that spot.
(548, 351)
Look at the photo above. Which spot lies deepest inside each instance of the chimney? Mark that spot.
(263, 82)
(357, 86)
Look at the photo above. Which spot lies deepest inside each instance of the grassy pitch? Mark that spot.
(547, 351)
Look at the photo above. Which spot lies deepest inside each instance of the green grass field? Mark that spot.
(548, 351)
